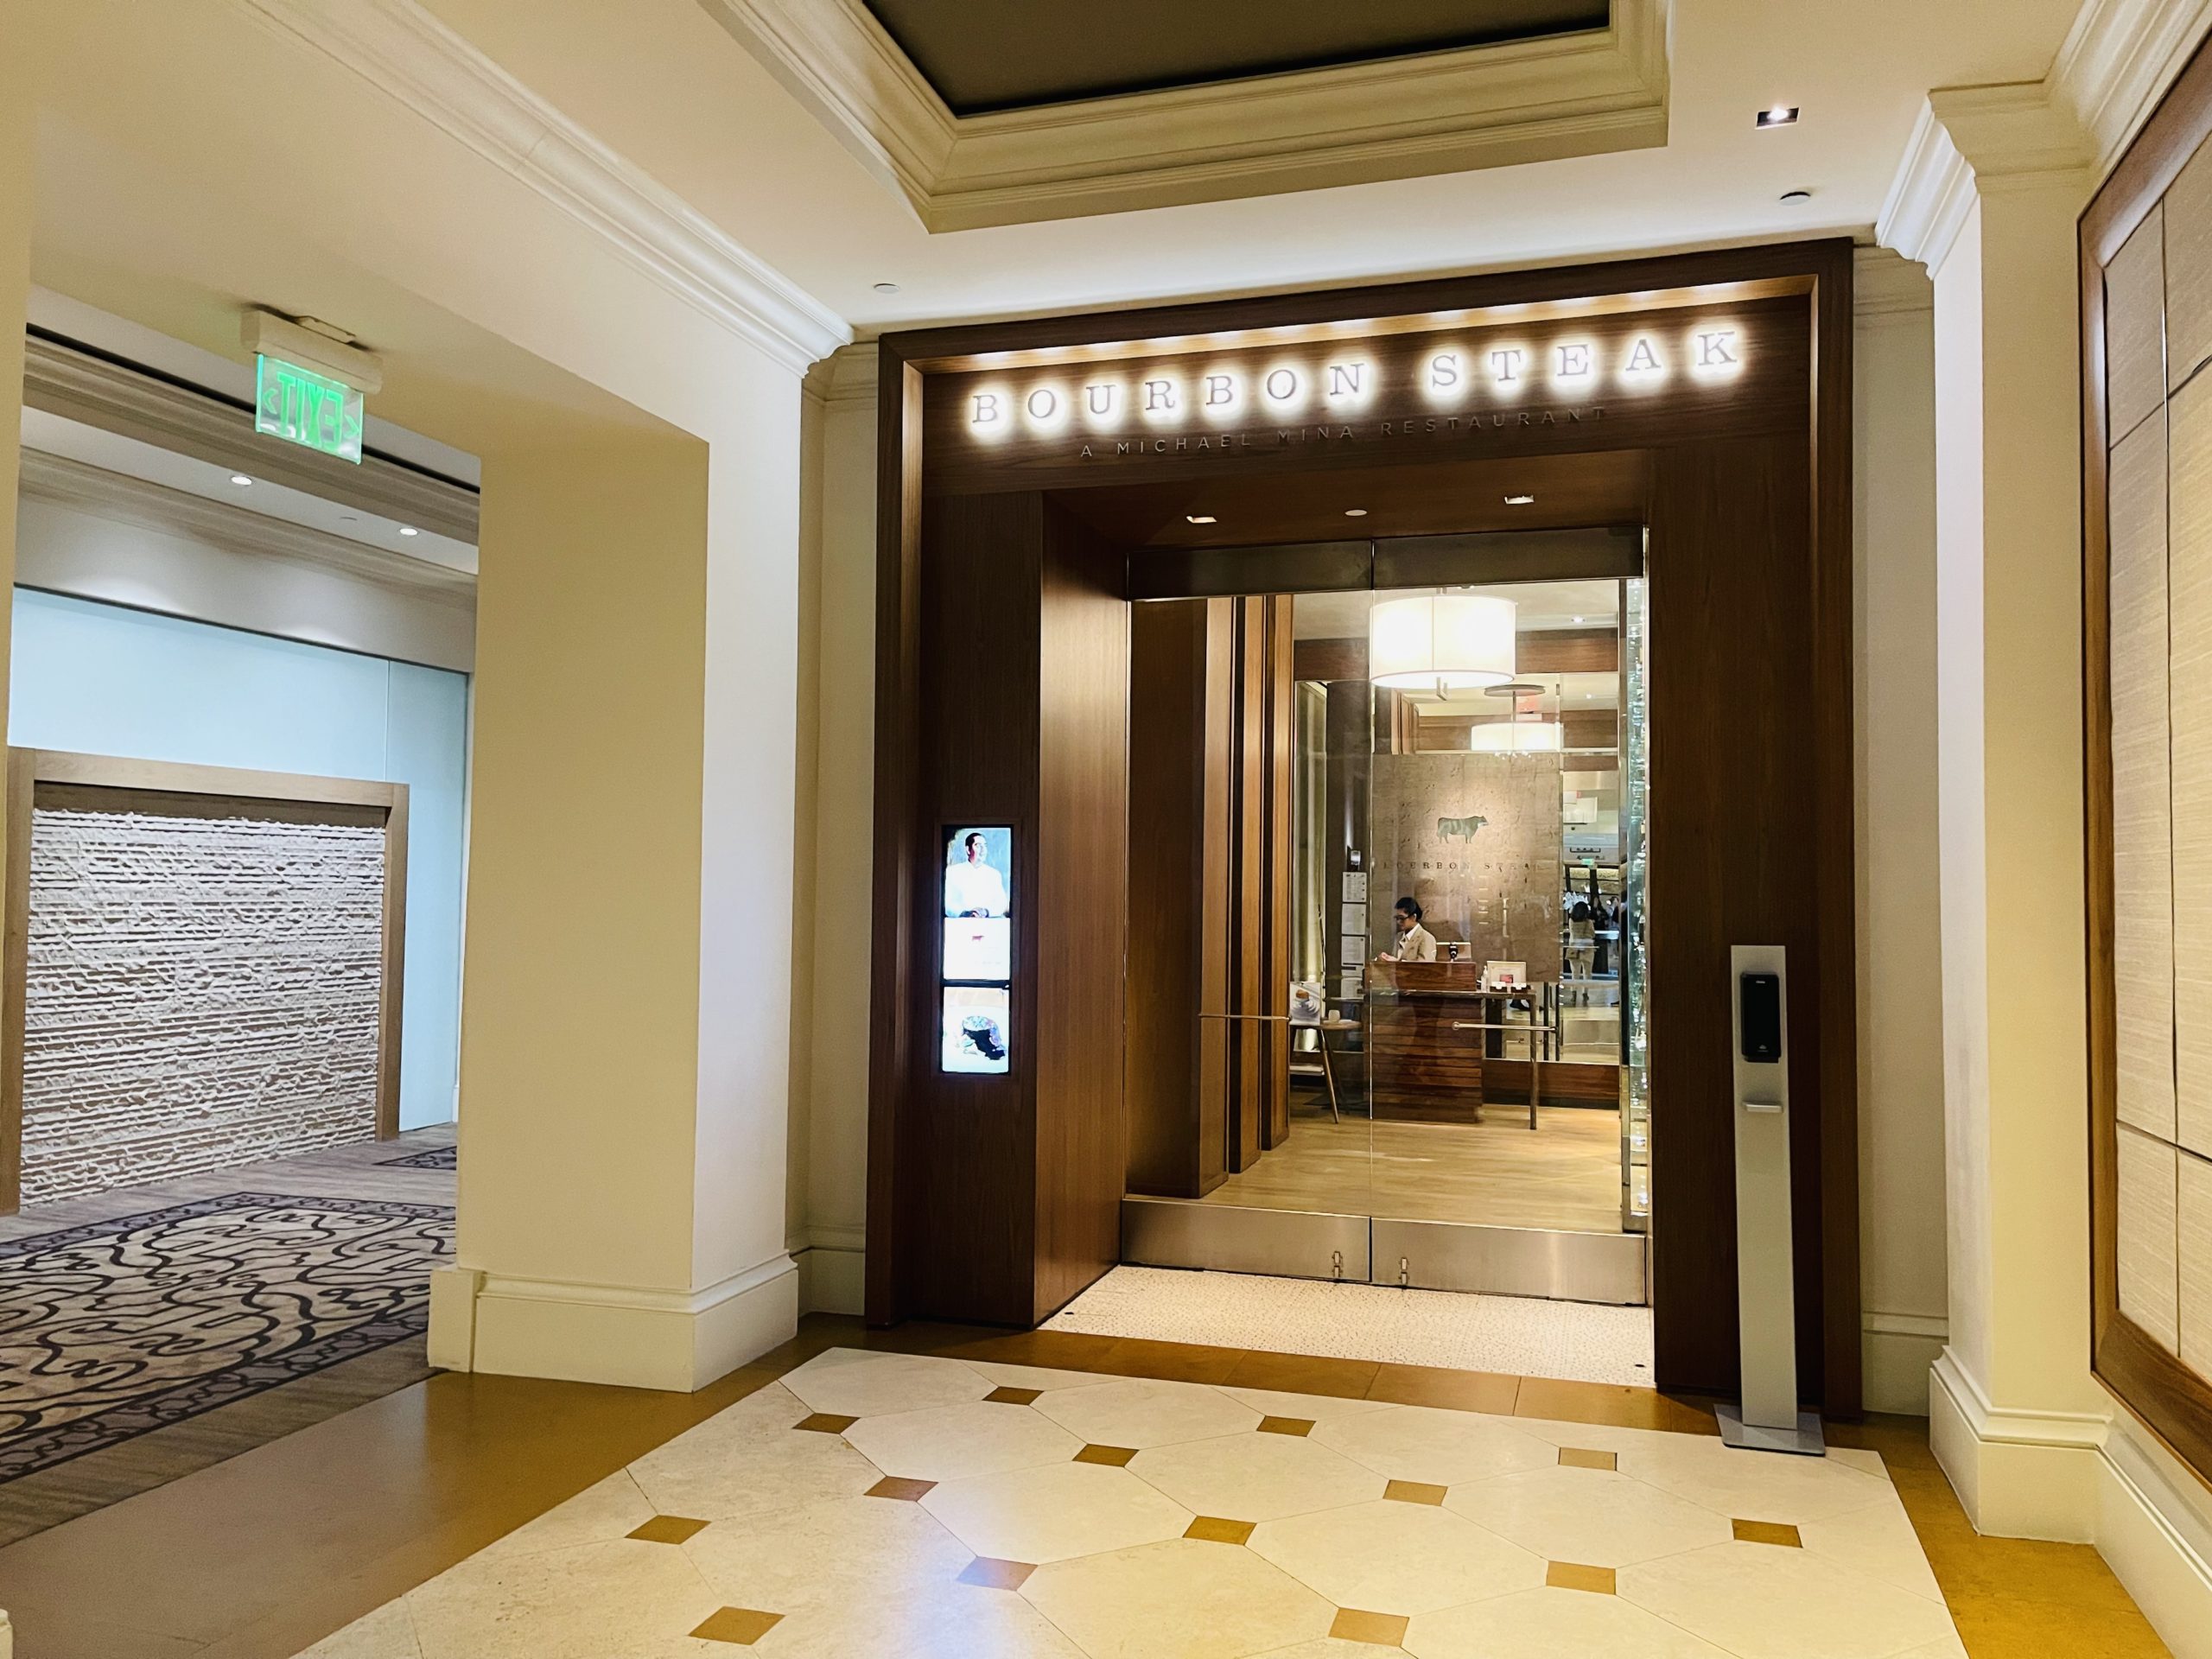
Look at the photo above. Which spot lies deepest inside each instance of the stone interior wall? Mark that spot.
(202, 993)
(1493, 884)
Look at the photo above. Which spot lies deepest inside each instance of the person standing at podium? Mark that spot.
(1415, 943)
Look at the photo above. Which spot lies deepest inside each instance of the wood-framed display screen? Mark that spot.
(1036, 478)
(202, 967)
(2146, 427)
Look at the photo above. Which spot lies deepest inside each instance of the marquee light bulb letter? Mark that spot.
(1507, 363)
(987, 409)
(1043, 404)
(1713, 351)
(1281, 385)
(1642, 359)
(1344, 378)
(1099, 399)
(1159, 394)
(1573, 362)
(1220, 391)
(1443, 369)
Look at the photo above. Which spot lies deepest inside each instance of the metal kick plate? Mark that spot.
(1606, 1267)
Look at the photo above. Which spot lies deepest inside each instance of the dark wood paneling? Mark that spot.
(1534, 556)
(1277, 739)
(1731, 818)
(1081, 888)
(1433, 499)
(970, 1141)
(1249, 905)
(1568, 651)
(1174, 1121)
(1292, 568)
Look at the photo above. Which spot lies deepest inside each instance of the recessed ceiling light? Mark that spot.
(1355, 512)
(1198, 517)
(886, 288)
(1520, 500)
(240, 480)
(1578, 619)
(1777, 114)
(409, 529)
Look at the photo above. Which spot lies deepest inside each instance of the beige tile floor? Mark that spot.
(889, 1505)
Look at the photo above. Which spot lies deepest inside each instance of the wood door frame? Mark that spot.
(2166, 1395)
(1820, 272)
(171, 782)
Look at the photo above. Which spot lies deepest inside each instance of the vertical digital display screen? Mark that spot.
(977, 969)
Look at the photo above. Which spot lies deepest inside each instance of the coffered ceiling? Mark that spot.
(980, 55)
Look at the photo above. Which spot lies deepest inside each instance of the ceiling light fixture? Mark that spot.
(1578, 619)
(1355, 512)
(1440, 642)
(1198, 517)
(1520, 500)
(1794, 198)
(1777, 114)
(240, 480)
(409, 529)
(886, 288)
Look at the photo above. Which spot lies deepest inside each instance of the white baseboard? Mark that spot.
(2154, 1529)
(832, 1280)
(633, 1337)
(1897, 1351)
(2018, 1474)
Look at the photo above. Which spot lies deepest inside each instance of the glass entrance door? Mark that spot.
(1449, 1091)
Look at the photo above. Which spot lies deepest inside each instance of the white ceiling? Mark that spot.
(659, 82)
(1542, 605)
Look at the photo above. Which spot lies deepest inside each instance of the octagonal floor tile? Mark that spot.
(873, 1385)
(818, 1554)
(1589, 1516)
(1878, 1540)
(1050, 1513)
(1750, 1485)
(1550, 1624)
(387, 1633)
(605, 1511)
(1436, 1447)
(622, 1600)
(1133, 1411)
(1317, 1408)
(1396, 1558)
(740, 1463)
(1759, 1602)
(1178, 1600)
(1256, 1477)
(939, 1621)
(949, 1442)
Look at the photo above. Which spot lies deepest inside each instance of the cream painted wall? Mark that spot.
(626, 1018)
(842, 415)
(18, 116)
(1901, 1284)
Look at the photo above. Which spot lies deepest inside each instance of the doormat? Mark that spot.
(430, 1157)
(114, 1329)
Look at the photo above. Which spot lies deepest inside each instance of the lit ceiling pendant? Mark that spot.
(1440, 642)
(1513, 734)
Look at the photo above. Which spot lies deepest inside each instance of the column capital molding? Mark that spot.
(1972, 142)
(846, 376)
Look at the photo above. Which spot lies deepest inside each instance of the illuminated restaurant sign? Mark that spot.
(1477, 381)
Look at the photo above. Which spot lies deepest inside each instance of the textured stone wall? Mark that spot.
(1494, 884)
(200, 993)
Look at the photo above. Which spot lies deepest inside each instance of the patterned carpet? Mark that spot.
(433, 1158)
(114, 1329)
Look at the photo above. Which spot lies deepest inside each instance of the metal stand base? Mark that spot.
(1806, 1440)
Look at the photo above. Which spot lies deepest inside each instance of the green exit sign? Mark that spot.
(301, 406)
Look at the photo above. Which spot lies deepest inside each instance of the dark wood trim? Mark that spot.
(169, 786)
(1234, 572)
(2169, 1398)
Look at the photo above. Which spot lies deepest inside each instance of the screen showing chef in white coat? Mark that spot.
(974, 881)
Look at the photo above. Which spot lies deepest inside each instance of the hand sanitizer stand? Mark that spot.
(1767, 1301)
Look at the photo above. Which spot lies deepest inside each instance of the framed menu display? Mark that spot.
(976, 966)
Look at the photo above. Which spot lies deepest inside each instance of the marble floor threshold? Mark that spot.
(273, 1551)
(1522, 1335)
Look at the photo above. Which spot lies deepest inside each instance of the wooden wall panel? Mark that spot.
(1732, 827)
(1081, 908)
(969, 1143)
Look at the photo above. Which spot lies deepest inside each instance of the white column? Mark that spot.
(1987, 199)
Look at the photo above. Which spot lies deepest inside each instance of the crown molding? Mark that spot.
(398, 48)
(2117, 62)
(1452, 111)
(114, 398)
(848, 375)
(62, 481)
(1970, 142)
(1886, 283)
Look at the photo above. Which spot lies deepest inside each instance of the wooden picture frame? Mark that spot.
(2156, 1386)
(36, 776)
